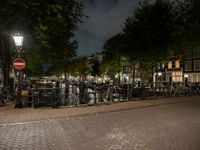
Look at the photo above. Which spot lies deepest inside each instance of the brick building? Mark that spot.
(192, 66)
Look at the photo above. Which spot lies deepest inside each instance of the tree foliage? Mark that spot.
(113, 59)
(115, 45)
(158, 29)
(187, 33)
(79, 67)
(95, 70)
(48, 27)
(149, 32)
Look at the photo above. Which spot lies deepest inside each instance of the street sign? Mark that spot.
(19, 64)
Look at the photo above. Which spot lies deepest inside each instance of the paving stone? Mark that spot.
(164, 126)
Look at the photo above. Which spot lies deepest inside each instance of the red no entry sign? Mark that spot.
(19, 64)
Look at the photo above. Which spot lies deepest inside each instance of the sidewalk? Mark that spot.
(10, 115)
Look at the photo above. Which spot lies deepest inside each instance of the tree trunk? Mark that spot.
(5, 59)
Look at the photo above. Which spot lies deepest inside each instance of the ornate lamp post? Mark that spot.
(18, 64)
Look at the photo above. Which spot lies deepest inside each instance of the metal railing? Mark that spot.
(7, 96)
(95, 94)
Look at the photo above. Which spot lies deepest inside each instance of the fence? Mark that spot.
(94, 94)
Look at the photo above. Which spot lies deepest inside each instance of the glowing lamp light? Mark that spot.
(186, 75)
(18, 39)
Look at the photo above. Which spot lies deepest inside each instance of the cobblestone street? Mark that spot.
(161, 124)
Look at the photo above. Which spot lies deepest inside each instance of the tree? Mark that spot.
(114, 51)
(149, 32)
(79, 67)
(109, 67)
(48, 27)
(5, 60)
(95, 68)
(115, 44)
(187, 26)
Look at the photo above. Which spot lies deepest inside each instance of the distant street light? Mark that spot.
(159, 74)
(18, 39)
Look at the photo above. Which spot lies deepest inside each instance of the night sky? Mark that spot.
(106, 18)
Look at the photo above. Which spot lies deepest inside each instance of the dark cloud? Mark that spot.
(106, 18)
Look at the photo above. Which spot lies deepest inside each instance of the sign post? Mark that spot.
(19, 64)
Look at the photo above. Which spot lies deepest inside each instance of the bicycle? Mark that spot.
(73, 97)
(113, 94)
(72, 100)
(6, 96)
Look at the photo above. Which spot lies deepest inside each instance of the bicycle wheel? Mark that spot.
(72, 100)
(106, 97)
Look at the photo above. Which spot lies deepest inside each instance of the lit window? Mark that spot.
(195, 78)
(177, 76)
(177, 64)
(170, 65)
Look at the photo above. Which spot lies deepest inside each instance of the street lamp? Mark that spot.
(18, 39)
(160, 79)
(159, 75)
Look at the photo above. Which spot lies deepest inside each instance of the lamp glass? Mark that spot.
(159, 73)
(18, 39)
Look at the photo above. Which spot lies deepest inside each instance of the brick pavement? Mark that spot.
(13, 115)
(40, 135)
(162, 124)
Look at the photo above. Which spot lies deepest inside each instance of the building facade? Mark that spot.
(192, 67)
(174, 70)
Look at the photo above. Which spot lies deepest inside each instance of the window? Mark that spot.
(177, 79)
(177, 64)
(197, 65)
(197, 54)
(170, 65)
(188, 66)
(195, 78)
(177, 76)
(188, 56)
